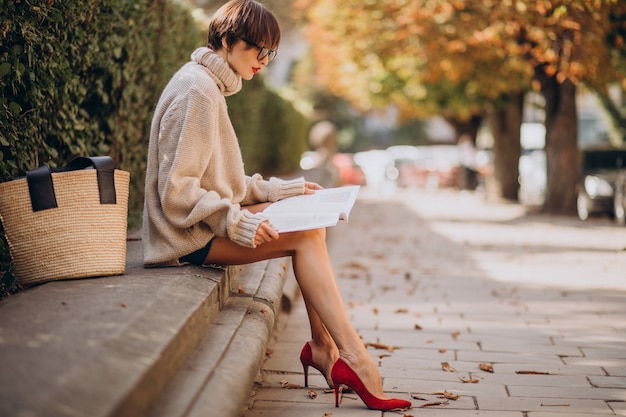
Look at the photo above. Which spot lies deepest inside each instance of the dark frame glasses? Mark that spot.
(263, 51)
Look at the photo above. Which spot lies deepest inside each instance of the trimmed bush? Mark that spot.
(83, 78)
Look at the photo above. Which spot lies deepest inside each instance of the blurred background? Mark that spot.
(520, 100)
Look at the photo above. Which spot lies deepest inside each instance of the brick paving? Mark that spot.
(444, 277)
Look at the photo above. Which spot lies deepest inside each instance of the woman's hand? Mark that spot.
(310, 187)
(265, 233)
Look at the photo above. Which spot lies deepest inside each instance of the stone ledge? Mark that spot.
(109, 346)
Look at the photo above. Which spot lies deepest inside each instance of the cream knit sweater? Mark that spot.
(195, 180)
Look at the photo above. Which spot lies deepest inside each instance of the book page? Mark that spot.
(324, 208)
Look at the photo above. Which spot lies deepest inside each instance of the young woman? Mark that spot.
(201, 208)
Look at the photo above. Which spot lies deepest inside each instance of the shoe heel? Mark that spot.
(306, 375)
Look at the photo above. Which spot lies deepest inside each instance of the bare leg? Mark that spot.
(314, 273)
(323, 347)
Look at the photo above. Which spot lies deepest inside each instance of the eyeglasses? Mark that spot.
(263, 51)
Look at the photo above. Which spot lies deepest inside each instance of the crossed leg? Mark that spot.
(331, 330)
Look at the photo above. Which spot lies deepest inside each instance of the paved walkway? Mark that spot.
(449, 284)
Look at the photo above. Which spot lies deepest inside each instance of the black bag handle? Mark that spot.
(41, 189)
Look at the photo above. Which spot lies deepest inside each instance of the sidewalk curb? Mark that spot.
(220, 374)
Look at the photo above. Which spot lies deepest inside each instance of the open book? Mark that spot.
(324, 208)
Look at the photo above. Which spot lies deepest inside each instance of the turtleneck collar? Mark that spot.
(227, 80)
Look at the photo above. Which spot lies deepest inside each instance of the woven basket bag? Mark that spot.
(67, 223)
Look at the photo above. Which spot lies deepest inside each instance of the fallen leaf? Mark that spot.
(380, 346)
(446, 367)
(327, 414)
(469, 381)
(375, 310)
(123, 305)
(415, 397)
(455, 335)
(402, 311)
(312, 394)
(442, 350)
(430, 342)
(486, 367)
(434, 403)
(287, 385)
(418, 327)
(451, 396)
(533, 373)
(240, 289)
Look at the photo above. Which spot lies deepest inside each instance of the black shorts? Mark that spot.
(198, 257)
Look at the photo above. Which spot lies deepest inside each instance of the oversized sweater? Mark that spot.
(195, 180)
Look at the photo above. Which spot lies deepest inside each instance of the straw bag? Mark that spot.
(67, 223)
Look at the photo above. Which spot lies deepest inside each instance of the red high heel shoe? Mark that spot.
(306, 358)
(343, 374)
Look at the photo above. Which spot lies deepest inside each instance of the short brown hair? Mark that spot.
(243, 19)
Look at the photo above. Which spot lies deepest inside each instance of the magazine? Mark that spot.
(324, 208)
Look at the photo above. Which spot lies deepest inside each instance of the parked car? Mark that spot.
(430, 166)
(599, 173)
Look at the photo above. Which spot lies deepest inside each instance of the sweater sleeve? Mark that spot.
(272, 190)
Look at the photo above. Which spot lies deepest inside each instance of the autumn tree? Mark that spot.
(458, 58)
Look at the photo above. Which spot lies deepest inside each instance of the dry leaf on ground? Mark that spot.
(434, 404)
(446, 367)
(402, 310)
(380, 346)
(486, 367)
(469, 381)
(534, 373)
(287, 385)
(446, 394)
(312, 394)
(418, 327)
(455, 335)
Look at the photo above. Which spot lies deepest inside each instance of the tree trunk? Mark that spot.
(561, 144)
(466, 127)
(506, 124)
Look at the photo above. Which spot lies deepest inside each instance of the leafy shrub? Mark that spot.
(82, 78)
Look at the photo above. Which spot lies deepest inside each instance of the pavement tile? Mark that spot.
(585, 370)
(546, 349)
(508, 357)
(445, 412)
(533, 380)
(606, 362)
(426, 386)
(608, 381)
(616, 370)
(417, 339)
(569, 405)
(552, 391)
(605, 353)
(566, 414)
(619, 408)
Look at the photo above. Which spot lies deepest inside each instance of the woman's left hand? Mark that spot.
(310, 187)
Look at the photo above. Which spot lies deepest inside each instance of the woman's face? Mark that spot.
(243, 59)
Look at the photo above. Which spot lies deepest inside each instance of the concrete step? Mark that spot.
(217, 380)
(110, 346)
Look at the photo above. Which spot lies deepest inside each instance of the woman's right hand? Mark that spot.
(265, 233)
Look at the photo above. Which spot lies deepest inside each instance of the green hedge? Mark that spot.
(271, 131)
(82, 78)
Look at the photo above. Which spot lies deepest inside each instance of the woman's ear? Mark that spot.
(225, 43)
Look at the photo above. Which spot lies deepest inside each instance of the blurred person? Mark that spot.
(201, 208)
